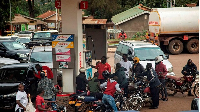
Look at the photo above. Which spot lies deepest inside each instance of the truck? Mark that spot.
(175, 29)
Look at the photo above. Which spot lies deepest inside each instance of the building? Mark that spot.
(133, 20)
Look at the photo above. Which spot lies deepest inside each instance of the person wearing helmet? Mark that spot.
(154, 84)
(190, 69)
(161, 71)
(122, 35)
(108, 95)
(137, 68)
(81, 81)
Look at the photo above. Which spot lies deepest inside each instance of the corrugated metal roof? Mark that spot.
(94, 21)
(47, 14)
(128, 15)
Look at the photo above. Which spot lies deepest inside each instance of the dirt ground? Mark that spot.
(179, 102)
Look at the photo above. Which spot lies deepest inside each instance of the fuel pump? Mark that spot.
(87, 61)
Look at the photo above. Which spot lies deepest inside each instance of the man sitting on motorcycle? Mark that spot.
(108, 95)
(190, 69)
(154, 84)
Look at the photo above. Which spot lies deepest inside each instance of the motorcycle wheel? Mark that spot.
(170, 87)
(196, 90)
(137, 106)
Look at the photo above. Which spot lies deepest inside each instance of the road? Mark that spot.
(179, 102)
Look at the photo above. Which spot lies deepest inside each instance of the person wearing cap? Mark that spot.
(137, 68)
(81, 81)
(122, 35)
(161, 71)
(154, 84)
(102, 66)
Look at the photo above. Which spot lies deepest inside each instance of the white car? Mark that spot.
(25, 34)
(145, 51)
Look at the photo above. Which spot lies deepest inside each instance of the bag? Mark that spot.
(30, 107)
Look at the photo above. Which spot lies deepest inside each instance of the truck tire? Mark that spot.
(175, 47)
(193, 46)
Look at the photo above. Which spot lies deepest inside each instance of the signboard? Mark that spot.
(31, 27)
(58, 4)
(89, 73)
(69, 38)
(63, 65)
(57, 44)
(63, 58)
(153, 23)
(51, 25)
(83, 5)
(62, 51)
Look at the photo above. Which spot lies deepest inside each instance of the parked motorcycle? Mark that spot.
(140, 94)
(196, 87)
(180, 84)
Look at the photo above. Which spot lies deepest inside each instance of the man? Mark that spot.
(190, 69)
(126, 64)
(137, 68)
(48, 87)
(122, 35)
(40, 104)
(81, 81)
(154, 84)
(161, 70)
(122, 80)
(102, 66)
(108, 95)
(46, 69)
(21, 99)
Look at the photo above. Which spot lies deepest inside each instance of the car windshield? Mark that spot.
(12, 45)
(23, 40)
(42, 35)
(148, 53)
(41, 57)
(13, 75)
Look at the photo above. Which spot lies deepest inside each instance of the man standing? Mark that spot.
(81, 81)
(122, 80)
(122, 35)
(137, 68)
(108, 95)
(190, 69)
(161, 70)
(126, 64)
(102, 66)
(154, 84)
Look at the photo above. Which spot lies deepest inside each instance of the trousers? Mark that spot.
(110, 100)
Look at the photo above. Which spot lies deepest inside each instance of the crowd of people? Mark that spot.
(102, 80)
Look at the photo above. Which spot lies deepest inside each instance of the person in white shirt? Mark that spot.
(21, 99)
(126, 64)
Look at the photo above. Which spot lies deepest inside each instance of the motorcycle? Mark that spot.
(196, 87)
(180, 84)
(140, 94)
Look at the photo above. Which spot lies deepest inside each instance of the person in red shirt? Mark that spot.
(122, 35)
(161, 70)
(102, 66)
(46, 69)
(40, 104)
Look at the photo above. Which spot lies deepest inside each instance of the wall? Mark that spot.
(135, 25)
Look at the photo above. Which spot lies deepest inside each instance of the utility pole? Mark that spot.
(10, 18)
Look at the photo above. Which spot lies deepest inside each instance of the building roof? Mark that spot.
(130, 14)
(47, 14)
(18, 19)
(37, 20)
(94, 21)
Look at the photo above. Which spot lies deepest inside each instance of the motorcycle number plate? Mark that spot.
(78, 104)
(72, 102)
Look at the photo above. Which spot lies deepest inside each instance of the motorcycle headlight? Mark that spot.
(21, 55)
(10, 95)
(170, 69)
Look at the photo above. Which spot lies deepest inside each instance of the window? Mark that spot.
(119, 48)
(124, 49)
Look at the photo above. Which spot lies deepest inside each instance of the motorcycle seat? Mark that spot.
(173, 77)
